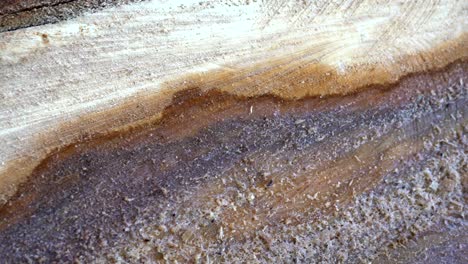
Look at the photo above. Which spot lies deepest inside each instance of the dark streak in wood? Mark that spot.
(79, 202)
(16, 14)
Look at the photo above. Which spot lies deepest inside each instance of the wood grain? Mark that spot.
(218, 171)
(135, 57)
(17, 14)
(233, 131)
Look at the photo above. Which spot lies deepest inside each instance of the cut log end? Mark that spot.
(221, 176)
(233, 132)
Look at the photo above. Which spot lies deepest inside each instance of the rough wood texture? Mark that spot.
(16, 14)
(234, 131)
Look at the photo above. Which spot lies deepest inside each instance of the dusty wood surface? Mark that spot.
(233, 131)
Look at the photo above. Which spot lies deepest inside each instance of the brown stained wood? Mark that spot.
(233, 131)
(219, 173)
(436, 246)
(61, 81)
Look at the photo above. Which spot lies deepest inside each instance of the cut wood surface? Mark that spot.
(235, 131)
